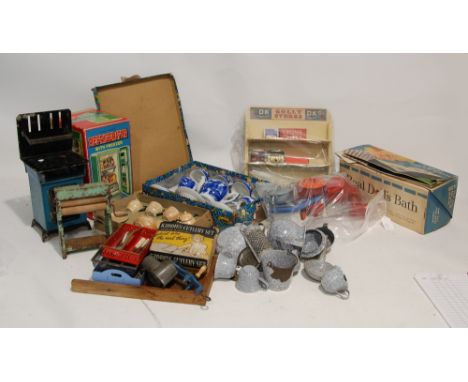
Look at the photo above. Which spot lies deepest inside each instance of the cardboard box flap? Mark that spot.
(158, 137)
(442, 203)
(397, 165)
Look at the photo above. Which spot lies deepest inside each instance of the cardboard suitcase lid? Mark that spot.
(158, 136)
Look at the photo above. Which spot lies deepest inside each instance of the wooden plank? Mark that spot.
(79, 202)
(67, 211)
(141, 293)
(173, 294)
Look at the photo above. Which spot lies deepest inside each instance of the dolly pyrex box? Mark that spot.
(160, 145)
(418, 196)
(104, 140)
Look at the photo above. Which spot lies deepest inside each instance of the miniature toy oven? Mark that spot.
(45, 145)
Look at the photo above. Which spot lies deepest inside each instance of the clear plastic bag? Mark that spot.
(332, 200)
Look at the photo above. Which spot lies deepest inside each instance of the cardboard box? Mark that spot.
(284, 143)
(104, 140)
(221, 217)
(133, 251)
(190, 246)
(419, 197)
(160, 146)
(202, 216)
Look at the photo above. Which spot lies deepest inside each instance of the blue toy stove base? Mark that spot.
(43, 205)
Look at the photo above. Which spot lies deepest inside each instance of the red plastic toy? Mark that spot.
(335, 190)
(129, 244)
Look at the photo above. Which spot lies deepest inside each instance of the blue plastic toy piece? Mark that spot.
(116, 276)
(293, 206)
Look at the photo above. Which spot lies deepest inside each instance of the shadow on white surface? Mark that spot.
(21, 206)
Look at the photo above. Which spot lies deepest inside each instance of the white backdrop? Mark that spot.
(415, 105)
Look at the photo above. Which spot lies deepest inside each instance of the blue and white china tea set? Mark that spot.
(218, 190)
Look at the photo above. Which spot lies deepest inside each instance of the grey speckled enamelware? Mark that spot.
(284, 234)
(315, 242)
(278, 267)
(247, 257)
(315, 269)
(334, 282)
(231, 240)
(225, 266)
(249, 280)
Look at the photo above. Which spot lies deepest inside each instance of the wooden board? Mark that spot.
(173, 294)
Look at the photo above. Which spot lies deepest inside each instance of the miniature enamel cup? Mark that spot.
(278, 267)
(285, 234)
(154, 209)
(135, 206)
(231, 240)
(249, 280)
(315, 269)
(214, 190)
(335, 282)
(225, 266)
(315, 242)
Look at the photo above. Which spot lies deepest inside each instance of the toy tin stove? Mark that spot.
(45, 145)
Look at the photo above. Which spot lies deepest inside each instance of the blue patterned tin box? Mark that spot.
(221, 217)
(160, 146)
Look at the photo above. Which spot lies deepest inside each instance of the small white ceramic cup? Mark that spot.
(135, 206)
(199, 176)
(154, 209)
(171, 214)
(146, 221)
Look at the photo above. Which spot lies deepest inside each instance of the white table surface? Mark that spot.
(35, 280)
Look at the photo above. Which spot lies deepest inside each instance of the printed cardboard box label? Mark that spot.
(288, 114)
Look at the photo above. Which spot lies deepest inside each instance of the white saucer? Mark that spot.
(157, 186)
(189, 194)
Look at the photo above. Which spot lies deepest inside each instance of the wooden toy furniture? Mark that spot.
(284, 144)
(73, 200)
